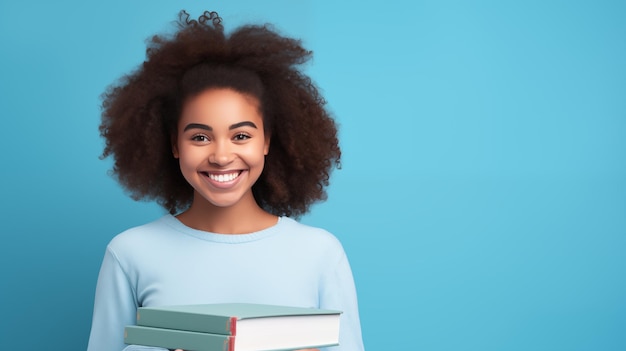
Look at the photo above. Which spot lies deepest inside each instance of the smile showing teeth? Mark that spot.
(222, 178)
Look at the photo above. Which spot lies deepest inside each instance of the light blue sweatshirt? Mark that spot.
(167, 263)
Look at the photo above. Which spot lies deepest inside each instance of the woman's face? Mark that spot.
(221, 145)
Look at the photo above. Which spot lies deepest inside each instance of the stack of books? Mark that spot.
(234, 327)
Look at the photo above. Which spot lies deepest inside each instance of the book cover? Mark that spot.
(195, 341)
(173, 339)
(234, 318)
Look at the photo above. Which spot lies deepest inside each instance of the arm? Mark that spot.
(115, 306)
(338, 292)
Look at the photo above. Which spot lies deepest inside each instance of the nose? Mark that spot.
(221, 154)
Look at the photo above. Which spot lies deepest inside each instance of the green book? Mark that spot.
(178, 339)
(236, 318)
(235, 326)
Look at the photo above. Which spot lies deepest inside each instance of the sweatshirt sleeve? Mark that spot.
(338, 292)
(115, 306)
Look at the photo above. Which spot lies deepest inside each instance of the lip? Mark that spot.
(223, 184)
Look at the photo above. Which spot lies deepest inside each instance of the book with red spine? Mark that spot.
(235, 327)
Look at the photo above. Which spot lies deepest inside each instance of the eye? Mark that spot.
(241, 137)
(200, 138)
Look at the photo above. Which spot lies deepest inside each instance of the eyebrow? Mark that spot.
(197, 126)
(242, 124)
(209, 128)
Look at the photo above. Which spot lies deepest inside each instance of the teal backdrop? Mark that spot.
(482, 199)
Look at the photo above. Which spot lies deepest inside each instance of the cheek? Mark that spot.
(257, 155)
(253, 160)
(189, 157)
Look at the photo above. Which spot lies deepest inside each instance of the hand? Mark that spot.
(295, 350)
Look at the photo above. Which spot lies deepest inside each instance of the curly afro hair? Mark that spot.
(140, 113)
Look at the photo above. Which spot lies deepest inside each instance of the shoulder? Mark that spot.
(294, 226)
(146, 234)
(311, 236)
(143, 247)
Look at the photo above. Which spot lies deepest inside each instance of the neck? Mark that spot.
(242, 218)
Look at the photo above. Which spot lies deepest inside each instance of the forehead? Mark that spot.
(217, 105)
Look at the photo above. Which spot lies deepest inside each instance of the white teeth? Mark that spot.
(221, 178)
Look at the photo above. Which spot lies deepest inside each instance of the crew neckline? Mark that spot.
(179, 226)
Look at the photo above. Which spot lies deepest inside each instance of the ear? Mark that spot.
(266, 146)
(174, 142)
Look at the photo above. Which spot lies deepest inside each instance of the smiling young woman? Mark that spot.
(232, 140)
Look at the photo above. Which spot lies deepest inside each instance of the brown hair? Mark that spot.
(141, 110)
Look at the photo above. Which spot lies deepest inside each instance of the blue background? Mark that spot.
(482, 199)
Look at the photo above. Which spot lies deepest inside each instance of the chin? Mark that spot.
(222, 202)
